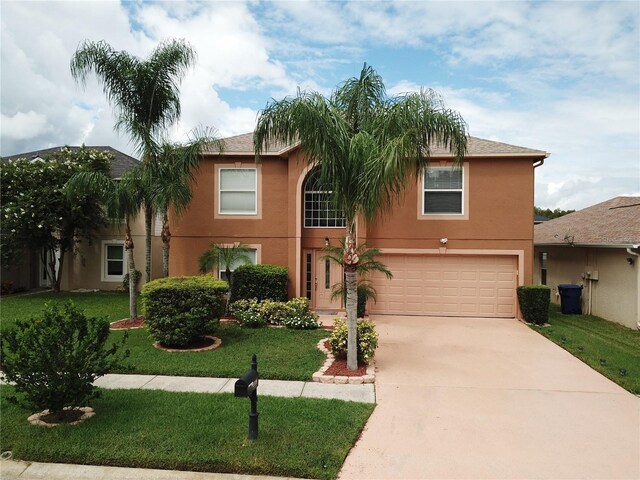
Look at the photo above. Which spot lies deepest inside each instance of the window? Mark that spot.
(113, 267)
(252, 254)
(308, 276)
(237, 191)
(543, 268)
(442, 191)
(318, 208)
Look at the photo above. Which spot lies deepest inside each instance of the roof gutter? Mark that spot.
(587, 245)
(539, 163)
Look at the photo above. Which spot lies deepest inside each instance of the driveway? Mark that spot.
(490, 398)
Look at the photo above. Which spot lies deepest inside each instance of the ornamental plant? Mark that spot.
(53, 360)
(303, 321)
(367, 338)
(534, 303)
(180, 310)
(264, 282)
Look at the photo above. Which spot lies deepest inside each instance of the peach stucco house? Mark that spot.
(484, 210)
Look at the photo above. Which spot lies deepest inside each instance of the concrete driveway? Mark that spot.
(490, 398)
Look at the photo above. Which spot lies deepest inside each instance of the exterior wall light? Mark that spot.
(444, 240)
(326, 241)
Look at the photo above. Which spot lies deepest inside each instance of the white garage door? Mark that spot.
(459, 286)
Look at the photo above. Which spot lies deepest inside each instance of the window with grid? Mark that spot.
(113, 257)
(237, 188)
(319, 211)
(222, 272)
(443, 191)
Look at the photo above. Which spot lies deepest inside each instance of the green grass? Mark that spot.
(592, 339)
(282, 353)
(191, 431)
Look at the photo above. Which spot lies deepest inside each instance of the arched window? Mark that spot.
(318, 209)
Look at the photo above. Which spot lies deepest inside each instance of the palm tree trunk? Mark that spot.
(350, 263)
(131, 266)
(148, 218)
(166, 240)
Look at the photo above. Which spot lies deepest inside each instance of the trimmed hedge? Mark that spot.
(262, 282)
(534, 303)
(179, 310)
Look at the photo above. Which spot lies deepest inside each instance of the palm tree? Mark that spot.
(366, 263)
(366, 146)
(143, 93)
(169, 180)
(217, 255)
(122, 199)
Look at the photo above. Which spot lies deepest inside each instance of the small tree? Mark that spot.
(217, 255)
(54, 360)
(37, 214)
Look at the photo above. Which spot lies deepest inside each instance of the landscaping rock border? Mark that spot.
(319, 376)
(35, 418)
(216, 343)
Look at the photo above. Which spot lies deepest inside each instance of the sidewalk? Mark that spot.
(364, 393)
(12, 470)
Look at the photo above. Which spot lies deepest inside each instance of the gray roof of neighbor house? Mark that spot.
(615, 222)
(120, 164)
(479, 147)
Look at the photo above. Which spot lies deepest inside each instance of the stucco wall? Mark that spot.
(500, 216)
(614, 295)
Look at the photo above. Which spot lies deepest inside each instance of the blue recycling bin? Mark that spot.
(570, 299)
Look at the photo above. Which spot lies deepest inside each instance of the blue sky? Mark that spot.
(557, 76)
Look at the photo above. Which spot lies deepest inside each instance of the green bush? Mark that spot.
(534, 303)
(294, 314)
(54, 360)
(263, 282)
(367, 339)
(179, 310)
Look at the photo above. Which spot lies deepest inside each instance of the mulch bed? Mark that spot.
(127, 323)
(339, 366)
(199, 343)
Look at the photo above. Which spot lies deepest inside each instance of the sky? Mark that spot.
(563, 77)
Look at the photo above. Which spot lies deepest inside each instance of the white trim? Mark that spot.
(254, 248)
(103, 261)
(460, 190)
(255, 191)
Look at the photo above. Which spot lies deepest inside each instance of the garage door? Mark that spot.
(459, 286)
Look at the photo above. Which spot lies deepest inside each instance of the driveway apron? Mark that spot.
(471, 398)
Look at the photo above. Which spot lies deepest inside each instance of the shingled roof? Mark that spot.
(615, 222)
(120, 164)
(479, 147)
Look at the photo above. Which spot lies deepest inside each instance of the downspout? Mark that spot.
(636, 254)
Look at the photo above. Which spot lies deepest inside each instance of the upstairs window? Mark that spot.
(443, 191)
(238, 191)
(319, 211)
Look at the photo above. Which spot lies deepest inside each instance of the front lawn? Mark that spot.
(190, 431)
(607, 347)
(282, 353)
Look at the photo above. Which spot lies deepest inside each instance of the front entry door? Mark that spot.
(326, 274)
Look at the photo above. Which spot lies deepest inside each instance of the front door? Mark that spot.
(326, 274)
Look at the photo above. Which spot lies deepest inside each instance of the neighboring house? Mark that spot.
(484, 211)
(596, 247)
(99, 264)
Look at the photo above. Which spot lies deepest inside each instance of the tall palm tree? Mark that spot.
(217, 255)
(143, 93)
(122, 199)
(366, 146)
(169, 179)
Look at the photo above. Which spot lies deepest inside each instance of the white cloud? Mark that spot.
(23, 126)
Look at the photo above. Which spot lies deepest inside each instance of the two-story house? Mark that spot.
(458, 242)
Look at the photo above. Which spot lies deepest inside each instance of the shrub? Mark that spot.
(276, 313)
(302, 321)
(54, 360)
(137, 275)
(299, 305)
(367, 339)
(534, 303)
(263, 282)
(365, 292)
(179, 310)
(248, 313)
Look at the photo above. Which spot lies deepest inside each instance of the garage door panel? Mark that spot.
(447, 285)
